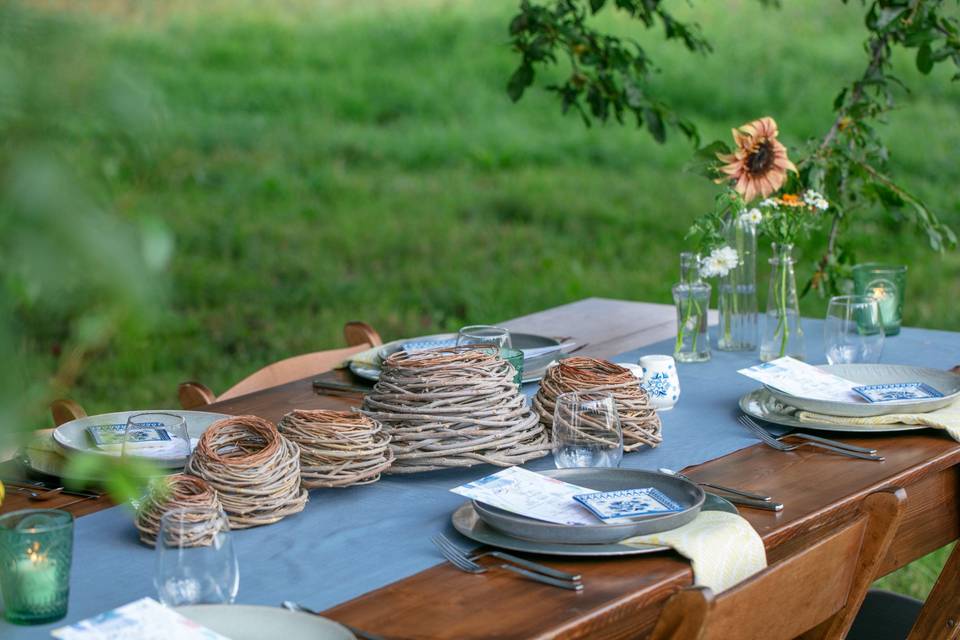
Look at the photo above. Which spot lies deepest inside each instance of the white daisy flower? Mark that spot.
(770, 202)
(719, 263)
(710, 267)
(815, 200)
(753, 216)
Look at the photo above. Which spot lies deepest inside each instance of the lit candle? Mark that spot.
(887, 301)
(37, 578)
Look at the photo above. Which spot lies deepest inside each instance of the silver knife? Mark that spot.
(755, 504)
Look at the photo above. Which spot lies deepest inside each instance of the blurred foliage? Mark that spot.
(73, 265)
(610, 74)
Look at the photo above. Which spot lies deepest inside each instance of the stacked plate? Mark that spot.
(539, 351)
(781, 408)
(498, 528)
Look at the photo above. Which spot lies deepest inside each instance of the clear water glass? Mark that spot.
(195, 560)
(853, 331)
(586, 430)
(484, 334)
(141, 432)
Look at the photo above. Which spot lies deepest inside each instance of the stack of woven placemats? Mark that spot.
(337, 448)
(453, 407)
(178, 491)
(638, 419)
(253, 468)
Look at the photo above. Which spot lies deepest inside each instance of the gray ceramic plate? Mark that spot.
(945, 382)
(684, 492)
(762, 405)
(468, 523)
(533, 368)
(73, 436)
(245, 622)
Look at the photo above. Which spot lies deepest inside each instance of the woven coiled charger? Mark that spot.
(454, 407)
(178, 491)
(638, 419)
(337, 448)
(253, 468)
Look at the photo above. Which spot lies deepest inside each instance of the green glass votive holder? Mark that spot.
(514, 357)
(886, 283)
(36, 549)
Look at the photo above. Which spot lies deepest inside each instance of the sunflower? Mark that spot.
(759, 165)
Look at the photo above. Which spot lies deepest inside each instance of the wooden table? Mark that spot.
(623, 596)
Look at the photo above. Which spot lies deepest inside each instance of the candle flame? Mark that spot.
(34, 553)
(879, 293)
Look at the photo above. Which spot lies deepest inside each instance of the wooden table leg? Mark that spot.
(940, 617)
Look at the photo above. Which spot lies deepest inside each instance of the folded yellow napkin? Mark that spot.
(947, 419)
(722, 547)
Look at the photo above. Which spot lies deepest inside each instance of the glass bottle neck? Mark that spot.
(690, 268)
(782, 254)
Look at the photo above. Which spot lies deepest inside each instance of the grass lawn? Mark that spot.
(328, 161)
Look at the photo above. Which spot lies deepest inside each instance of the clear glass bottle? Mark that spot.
(782, 333)
(737, 293)
(692, 298)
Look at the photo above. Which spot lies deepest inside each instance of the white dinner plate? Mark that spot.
(762, 405)
(945, 382)
(247, 622)
(533, 368)
(73, 436)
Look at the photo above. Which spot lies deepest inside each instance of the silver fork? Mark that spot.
(457, 558)
(834, 443)
(770, 441)
(502, 555)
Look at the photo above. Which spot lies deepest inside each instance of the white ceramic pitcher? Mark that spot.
(661, 381)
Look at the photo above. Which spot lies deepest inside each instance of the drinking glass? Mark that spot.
(853, 331)
(140, 437)
(586, 430)
(195, 560)
(484, 334)
(36, 550)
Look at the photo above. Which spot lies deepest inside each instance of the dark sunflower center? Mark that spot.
(761, 158)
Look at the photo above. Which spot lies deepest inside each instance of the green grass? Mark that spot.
(323, 162)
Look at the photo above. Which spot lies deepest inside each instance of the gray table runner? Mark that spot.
(350, 541)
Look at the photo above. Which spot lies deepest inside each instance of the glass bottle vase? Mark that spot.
(692, 301)
(737, 293)
(782, 333)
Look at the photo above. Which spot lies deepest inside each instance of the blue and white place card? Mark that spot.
(627, 504)
(802, 380)
(530, 494)
(106, 435)
(894, 392)
(144, 619)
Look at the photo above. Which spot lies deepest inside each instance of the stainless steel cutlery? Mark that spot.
(461, 560)
(720, 487)
(770, 441)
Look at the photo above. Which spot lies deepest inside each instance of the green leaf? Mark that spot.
(655, 125)
(925, 58)
(519, 81)
(596, 5)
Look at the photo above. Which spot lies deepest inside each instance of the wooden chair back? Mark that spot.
(813, 594)
(359, 335)
(65, 410)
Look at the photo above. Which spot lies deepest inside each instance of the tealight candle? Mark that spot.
(885, 283)
(36, 547)
(37, 576)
